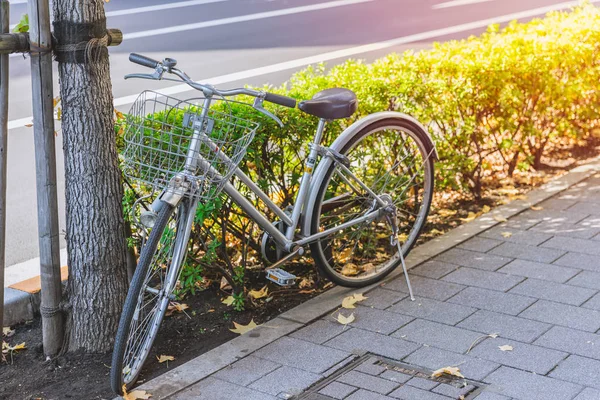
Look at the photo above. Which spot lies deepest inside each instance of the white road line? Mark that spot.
(242, 18)
(160, 7)
(456, 3)
(348, 52)
(139, 10)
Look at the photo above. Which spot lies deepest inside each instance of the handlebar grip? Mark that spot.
(281, 100)
(143, 60)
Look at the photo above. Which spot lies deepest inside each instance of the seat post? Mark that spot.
(320, 129)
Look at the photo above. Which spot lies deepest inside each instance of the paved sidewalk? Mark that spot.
(533, 280)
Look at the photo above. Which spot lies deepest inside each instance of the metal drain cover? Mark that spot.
(372, 376)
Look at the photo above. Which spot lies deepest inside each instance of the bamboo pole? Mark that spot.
(45, 159)
(4, 24)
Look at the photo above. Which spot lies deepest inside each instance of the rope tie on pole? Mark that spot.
(81, 43)
(49, 312)
(88, 48)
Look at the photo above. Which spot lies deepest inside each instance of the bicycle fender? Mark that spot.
(341, 141)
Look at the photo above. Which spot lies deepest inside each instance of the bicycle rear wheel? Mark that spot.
(149, 294)
(393, 157)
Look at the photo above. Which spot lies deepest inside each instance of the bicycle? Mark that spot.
(361, 202)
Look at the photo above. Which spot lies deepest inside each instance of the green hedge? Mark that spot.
(496, 104)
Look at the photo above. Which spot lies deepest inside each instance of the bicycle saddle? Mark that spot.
(334, 103)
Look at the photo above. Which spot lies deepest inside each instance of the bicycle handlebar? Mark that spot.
(169, 67)
(143, 60)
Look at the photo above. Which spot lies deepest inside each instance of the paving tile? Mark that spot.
(565, 229)
(487, 395)
(432, 358)
(433, 269)
(593, 303)
(337, 390)
(586, 279)
(527, 386)
(425, 287)
(367, 382)
(509, 327)
(579, 370)
(412, 393)
(572, 217)
(557, 203)
(480, 244)
(438, 335)
(531, 269)
(216, 389)
(358, 340)
(483, 279)
(565, 315)
(572, 341)
(522, 222)
(553, 291)
(585, 207)
(395, 376)
(246, 370)
(518, 236)
(467, 258)
(422, 383)
(581, 261)
(531, 253)
(301, 354)
(584, 246)
(285, 380)
(371, 367)
(379, 321)
(588, 394)
(366, 395)
(433, 310)
(492, 300)
(452, 391)
(381, 298)
(523, 356)
(319, 331)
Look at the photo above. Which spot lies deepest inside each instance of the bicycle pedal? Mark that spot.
(281, 277)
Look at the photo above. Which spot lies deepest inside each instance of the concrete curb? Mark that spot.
(220, 357)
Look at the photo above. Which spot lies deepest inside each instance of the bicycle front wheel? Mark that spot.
(149, 294)
(394, 158)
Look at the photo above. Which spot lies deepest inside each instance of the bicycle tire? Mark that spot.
(424, 144)
(131, 302)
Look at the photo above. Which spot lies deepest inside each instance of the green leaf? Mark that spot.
(23, 25)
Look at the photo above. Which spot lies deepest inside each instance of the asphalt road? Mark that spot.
(232, 43)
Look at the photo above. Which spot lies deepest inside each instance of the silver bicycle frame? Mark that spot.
(285, 241)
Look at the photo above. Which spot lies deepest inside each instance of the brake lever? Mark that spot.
(258, 106)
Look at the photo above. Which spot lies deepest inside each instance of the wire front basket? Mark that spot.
(159, 137)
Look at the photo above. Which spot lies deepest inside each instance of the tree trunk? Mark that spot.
(95, 228)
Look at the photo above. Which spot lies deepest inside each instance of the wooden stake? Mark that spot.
(45, 161)
(4, 23)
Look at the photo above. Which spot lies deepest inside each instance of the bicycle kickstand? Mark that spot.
(395, 239)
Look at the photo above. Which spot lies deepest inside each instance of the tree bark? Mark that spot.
(95, 227)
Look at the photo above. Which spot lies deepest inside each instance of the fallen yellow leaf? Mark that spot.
(176, 307)
(469, 217)
(345, 320)
(259, 294)
(506, 347)
(135, 395)
(6, 331)
(345, 255)
(348, 302)
(350, 270)
(164, 358)
(447, 213)
(6, 347)
(506, 234)
(28, 125)
(500, 218)
(455, 371)
(241, 329)
(486, 209)
(227, 300)
(537, 208)
(359, 297)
